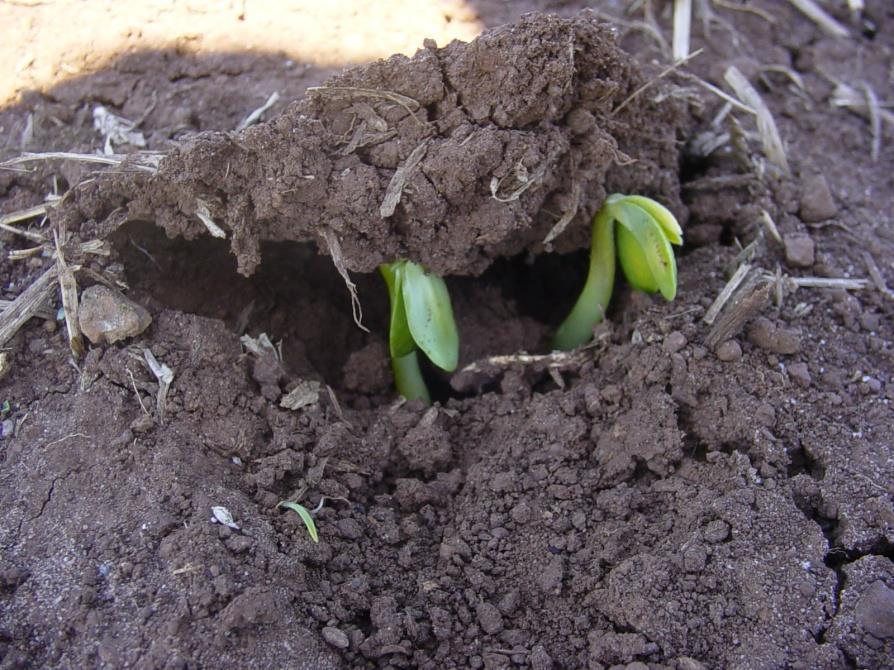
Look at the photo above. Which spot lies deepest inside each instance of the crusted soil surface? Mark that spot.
(658, 500)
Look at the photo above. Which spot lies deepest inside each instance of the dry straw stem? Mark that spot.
(144, 160)
(521, 175)
(256, 115)
(876, 275)
(748, 302)
(875, 121)
(865, 104)
(338, 260)
(682, 27)
(766, 126)
(819, 16)
(648, 28)
(757, 11)
(566, 218)
(770, 225)
(7, 220)
(409, 104)
(30, 302)
(672, 68)
(204, 215)
(23, 215)
(68, 287)
(554, 360)
(395, 187)
(165, 377)
(727, 292)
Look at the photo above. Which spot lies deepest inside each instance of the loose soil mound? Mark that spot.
(651, 501)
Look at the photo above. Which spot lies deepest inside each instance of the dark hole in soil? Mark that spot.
(298, 297)
(803, 463)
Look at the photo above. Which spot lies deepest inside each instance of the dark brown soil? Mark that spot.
(651, 503)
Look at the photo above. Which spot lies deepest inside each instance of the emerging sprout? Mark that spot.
(305, 515)
(643, 246)
(421, 318)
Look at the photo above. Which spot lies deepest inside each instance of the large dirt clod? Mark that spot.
(451, 158)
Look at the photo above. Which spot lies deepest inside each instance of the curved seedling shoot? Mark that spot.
(421, 318)
(642, 242)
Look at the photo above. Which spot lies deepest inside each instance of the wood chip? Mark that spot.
(750, 300)
(727, 292)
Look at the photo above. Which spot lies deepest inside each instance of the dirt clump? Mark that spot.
(452, 158)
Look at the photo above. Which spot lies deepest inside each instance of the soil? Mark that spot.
(665, 498)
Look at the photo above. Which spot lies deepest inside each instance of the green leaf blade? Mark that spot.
(429, 315)
(653, 248)
(661, 214)
(400, 340)
(305, 517)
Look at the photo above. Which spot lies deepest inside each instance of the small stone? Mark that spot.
(800, 251)
(817, 203)
(550, 577)
(695, 558)
(490, 618)
(875, 611)
(800, 373)
(107, 315)
(767, 335)
(350, 529)
(689, 663)
(336, 637)
(716, 531)
(729, 351)
(239, 544)
(540, 659)
(674, 342)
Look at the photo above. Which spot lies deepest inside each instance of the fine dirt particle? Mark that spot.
(674, 342)
(774, 338)
(336, 637)
(817, 203)
(729, 351)
(800, 250)
(875, 611)
(800, 373)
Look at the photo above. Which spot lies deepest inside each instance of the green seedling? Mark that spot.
(305, 515)
(421, 318)
(642, 242)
